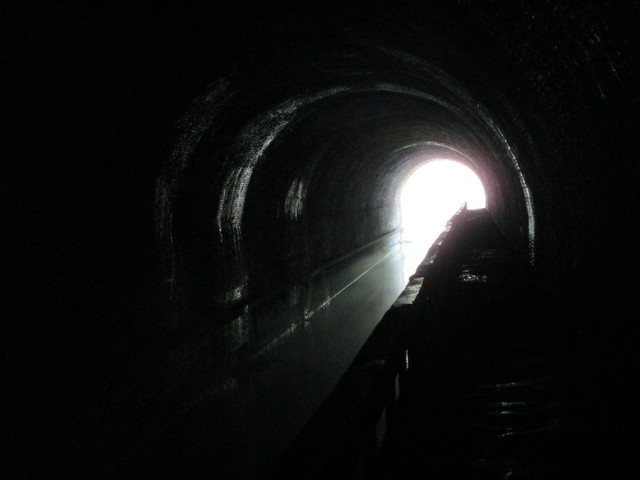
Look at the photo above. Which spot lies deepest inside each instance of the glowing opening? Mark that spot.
(429, 197)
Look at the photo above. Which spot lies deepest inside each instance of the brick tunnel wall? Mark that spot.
(179, 179)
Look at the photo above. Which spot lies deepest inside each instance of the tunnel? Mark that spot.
(203, 218)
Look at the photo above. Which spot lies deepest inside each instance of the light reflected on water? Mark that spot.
(430, 196)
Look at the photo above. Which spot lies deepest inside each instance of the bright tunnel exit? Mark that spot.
(428, 199)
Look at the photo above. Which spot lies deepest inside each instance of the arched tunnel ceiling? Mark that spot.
(328, 135)
(352, 88)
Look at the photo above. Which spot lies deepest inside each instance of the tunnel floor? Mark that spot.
(489, 392)
(489, 381)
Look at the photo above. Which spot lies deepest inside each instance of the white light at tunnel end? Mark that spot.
(428, 199)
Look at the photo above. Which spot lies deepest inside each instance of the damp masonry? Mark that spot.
(188, 190)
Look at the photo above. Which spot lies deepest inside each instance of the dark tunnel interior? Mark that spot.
(190, 191)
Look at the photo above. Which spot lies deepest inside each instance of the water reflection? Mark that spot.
(344, 303)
